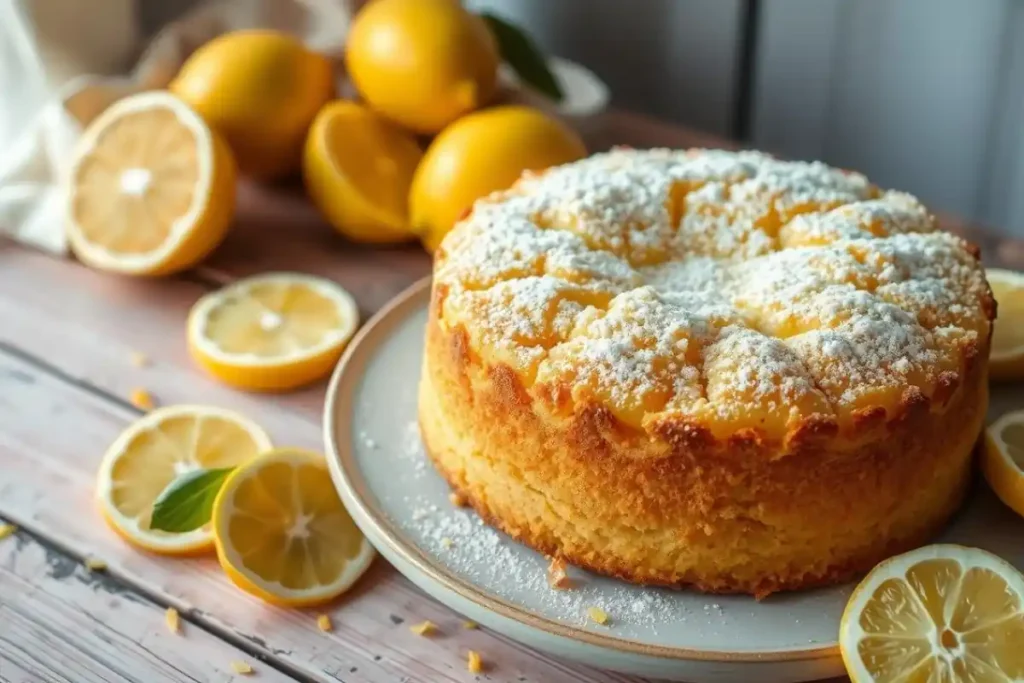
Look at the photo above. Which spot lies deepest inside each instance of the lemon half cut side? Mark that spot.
(150, 188)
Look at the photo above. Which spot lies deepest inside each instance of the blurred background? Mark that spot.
(923, 95)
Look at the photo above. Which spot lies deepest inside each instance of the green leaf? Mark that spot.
(187, 502)
(522, 54)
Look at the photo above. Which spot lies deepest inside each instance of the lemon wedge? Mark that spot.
(155, 450)
(940, 613)
(1006, 359)
(272, 332)
(151, 188)
(357, 168)
(1002, 460)
(283, 534)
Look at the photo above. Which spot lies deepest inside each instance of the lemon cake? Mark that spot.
(707, 368)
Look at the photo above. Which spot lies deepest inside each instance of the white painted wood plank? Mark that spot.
(60, 622)
(278, 229)
(42, 464)
(88, 324)
(672, 59)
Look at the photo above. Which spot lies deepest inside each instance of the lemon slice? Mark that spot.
(156, 449)
(357, 169)
(272, 332)
(1002, 461)
(941, 613)
(1006, 359)
(282, 532)
(151, 188)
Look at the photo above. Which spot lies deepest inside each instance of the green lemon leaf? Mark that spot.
(187, 502)
(522, 54)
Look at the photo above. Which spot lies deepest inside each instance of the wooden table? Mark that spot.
(67, 336)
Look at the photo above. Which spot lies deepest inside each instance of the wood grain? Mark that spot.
(87, 325)
(61, 622)
(277, 229)
(53, 433)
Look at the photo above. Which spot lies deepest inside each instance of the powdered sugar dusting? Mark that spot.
(476, 551)
(620, 274)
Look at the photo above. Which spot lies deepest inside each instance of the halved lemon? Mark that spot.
(156, 449)
(1002, 461)
(1006, 359)
(283, 534)
(151, 188)
(272, 332)
(357, 168)
(941, 613)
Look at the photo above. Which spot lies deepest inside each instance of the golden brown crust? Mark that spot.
(761, 589)
(742, 514)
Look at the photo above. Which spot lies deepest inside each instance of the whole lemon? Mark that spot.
(261, 90)
(479, 154)
(421, 63)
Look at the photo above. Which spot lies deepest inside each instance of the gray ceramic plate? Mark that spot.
(402, 506)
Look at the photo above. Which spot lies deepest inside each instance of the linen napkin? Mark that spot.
(65, 61)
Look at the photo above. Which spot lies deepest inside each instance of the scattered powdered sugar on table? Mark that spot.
(459, 538)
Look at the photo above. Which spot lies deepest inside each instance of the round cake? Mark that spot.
(707, 368)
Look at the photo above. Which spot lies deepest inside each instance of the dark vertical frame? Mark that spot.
(747, 46)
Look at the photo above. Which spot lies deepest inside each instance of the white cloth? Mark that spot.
(62, 62)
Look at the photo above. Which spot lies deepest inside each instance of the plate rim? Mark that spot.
(338, 408)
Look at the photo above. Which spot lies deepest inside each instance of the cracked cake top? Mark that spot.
(729, 289)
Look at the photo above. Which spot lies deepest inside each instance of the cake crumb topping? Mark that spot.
(173, 621)
(242, 668)
(324, 623)
(424, 628)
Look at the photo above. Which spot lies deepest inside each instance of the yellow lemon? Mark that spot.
(1002, 461)
(357, 168)
(272, 332)
(261, 90)
(938, 613)
(155, 450)
(283, 534)
(151, 188)
(422, 63)
(1006, 359)
(479, 154)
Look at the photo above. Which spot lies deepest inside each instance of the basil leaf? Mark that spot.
(187, 502)
(523, 55)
